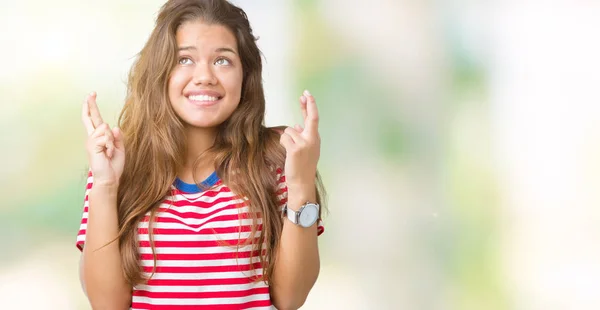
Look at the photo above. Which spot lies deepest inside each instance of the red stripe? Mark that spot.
(200, 216)
(202, 269)
(227, 217)
(200, 203)
(233, 217)
(211, 231)
(320, 230)
(199, 282)
(252, 304)
(224, 294)
(204, 256)
(197, 243)
(79, 245)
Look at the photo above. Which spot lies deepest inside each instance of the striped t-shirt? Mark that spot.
(198, 263)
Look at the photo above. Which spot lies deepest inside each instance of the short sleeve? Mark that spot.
(84, 218)
(282, 197)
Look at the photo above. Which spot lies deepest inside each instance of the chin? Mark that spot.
(202, 123)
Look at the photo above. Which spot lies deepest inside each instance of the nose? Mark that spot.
(204, 75)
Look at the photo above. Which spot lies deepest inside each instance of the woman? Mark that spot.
(155, 236)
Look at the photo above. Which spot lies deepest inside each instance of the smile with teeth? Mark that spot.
(202, 98)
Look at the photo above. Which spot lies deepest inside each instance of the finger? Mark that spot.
(311, 124)
(94, 111)
(100, 130)
(85, 117)
(298, 128)
(295, 135)
(303, 107)
(110, 143)
(118, 138)
(287, 142)
(99, 144)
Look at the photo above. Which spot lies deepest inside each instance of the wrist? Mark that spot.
(297, 198)
(101, 188)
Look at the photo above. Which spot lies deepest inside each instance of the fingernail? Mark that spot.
(93, 93)
(303, 99)
(307, 93)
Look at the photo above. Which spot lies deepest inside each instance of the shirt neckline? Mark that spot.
(192, 188)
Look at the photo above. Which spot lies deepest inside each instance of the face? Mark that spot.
(206, 84)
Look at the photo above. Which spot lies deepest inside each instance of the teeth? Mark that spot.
(203, 98)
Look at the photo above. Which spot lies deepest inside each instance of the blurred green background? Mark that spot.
(460, 144)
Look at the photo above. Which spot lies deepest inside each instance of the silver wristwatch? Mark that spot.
(305, 217)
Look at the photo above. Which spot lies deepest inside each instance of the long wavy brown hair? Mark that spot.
(155, 140)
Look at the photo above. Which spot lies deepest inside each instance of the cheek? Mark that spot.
(234, 84)
(176, 83)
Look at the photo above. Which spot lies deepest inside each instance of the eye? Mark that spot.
(223, 62)
(185, 61)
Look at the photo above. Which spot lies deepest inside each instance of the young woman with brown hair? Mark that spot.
(191, 202)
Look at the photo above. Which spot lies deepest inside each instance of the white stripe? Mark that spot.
(197, 237)
(219, 224)
(203, 275)
(200, 301)
(200, 263)
(194, 221)
(203, 288)
(197, 250)
(202, 197)
(224, 206)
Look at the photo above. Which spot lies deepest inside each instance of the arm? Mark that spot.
(297, 265)
(102, 277)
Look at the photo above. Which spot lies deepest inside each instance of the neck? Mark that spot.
(198, 141)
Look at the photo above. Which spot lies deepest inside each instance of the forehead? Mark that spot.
(202, 35)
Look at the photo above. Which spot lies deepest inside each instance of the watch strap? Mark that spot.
(290, 214)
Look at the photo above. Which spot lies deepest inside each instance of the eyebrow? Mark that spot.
(218, 50)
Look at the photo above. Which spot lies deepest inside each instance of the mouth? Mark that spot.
(203, 100)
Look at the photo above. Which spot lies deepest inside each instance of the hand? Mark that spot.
(106, 153)
(303, 146)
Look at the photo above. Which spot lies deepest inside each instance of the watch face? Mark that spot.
(309, 215)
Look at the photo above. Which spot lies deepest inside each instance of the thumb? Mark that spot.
(118, 138)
